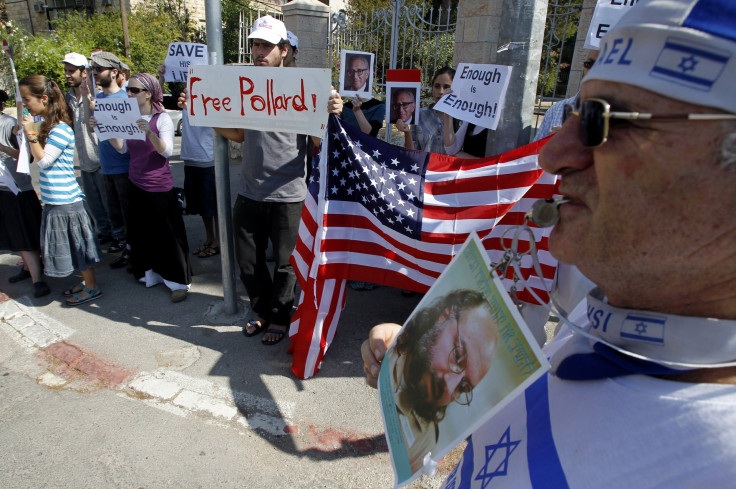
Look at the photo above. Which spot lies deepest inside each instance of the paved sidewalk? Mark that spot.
(190, 362)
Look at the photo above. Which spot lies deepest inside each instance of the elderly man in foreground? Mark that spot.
(646, 396)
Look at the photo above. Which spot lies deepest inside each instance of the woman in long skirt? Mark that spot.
(68, 239)
(20, 213)
(156, 234)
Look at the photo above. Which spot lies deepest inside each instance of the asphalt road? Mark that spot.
(134, 391)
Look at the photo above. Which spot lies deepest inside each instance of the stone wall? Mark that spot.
(309, 20)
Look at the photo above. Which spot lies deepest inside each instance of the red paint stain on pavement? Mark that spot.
(65, 352)
(71, 363)
(3, 297)
(290, 429)
(336, 441)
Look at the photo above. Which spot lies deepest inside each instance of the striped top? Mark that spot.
(57, 180)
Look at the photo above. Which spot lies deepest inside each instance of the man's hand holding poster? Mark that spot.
(463, 354)
(259, 98)
(116, 118)
(478, 94)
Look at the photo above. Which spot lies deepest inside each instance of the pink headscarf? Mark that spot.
(151, 84)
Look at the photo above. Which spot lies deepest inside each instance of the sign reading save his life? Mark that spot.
(478, 93)
(182, 55)
(607, 13)
(116, 119)
(260, 98)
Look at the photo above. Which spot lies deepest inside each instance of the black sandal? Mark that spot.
(254, 324)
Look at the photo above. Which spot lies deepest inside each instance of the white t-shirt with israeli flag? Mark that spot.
(629, 432)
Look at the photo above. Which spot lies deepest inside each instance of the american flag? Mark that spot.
(384, 214)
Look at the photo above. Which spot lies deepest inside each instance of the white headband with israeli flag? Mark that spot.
(685, 50)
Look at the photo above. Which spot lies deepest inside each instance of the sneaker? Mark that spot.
(179, 295)
(120, 262)
(40, 289)
(20, 276)
(117, 246)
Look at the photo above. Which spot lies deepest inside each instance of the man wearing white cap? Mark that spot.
(270, 198)
(645, 394)
(85, 140)
(293, 50)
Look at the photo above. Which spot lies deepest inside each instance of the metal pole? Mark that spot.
(520, 38)
(213, 14)
(124, 20)
(395, 7)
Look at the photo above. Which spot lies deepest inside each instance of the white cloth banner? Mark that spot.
(116, 119)
(24, 158)
(180, 57)
(478, 94)
(7, 179)
(260, 98)
(607, 13)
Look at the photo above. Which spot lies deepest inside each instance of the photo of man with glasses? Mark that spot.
(443, 352)
(356, 73)
(403, 104)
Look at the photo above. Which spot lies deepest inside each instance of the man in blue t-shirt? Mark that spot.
(106, 67)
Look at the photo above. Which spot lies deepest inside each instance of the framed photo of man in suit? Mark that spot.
(356, 73)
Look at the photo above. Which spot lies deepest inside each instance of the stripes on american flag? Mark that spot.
(384, 214)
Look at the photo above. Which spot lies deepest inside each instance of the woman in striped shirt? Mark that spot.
(68, 240)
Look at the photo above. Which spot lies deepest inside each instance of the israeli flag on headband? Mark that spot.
(690, 64)
(515, 448)
(644, 328)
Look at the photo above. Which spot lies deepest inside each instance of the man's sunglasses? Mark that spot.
(135, 90)
(100, 69)
(595, 115)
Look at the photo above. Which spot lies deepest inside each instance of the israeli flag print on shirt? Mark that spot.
(515, 448)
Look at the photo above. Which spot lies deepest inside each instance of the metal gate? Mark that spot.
(247, 17)
(401, 36)
(563, 19)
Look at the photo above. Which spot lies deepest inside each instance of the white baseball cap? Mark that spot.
(269, 29)
(293, 40)
(681, 49)
(75, 59)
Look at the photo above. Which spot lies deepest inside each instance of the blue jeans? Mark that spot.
(117, 202)
(93, 184)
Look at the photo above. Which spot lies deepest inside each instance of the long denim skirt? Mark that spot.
(68, 239)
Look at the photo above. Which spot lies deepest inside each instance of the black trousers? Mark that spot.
(254, 223)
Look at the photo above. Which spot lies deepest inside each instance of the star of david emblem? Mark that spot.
(504, 448)
(641, 328)
(688, 64)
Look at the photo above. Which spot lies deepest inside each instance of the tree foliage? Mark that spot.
(151, 26)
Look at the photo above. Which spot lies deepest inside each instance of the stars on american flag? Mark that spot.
(386, 180)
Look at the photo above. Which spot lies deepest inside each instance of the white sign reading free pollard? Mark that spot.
(260, 98)
(182, 55)
(478, 93)
(116, 119)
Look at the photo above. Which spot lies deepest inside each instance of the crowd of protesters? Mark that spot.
(642, 153)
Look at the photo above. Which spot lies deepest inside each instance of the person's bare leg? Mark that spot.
(32, 261)
(212, 231)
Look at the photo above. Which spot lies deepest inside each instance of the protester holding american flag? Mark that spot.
(644, 394)
(389, 215)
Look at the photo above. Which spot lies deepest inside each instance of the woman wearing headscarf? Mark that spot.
(156, 233)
